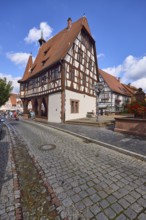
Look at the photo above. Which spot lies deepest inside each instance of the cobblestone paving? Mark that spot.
(7, 200)
(91, 182)
(106, 134)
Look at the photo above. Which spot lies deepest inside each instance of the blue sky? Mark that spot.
(118, 27)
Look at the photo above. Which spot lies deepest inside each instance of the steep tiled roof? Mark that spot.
(113, 83)
(27, 69)
(55, 48)
(131, 89)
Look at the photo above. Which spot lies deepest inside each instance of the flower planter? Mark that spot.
(135, 126)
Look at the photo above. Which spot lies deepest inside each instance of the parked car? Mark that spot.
(1, 126)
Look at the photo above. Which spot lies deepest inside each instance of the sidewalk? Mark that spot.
(102, 120)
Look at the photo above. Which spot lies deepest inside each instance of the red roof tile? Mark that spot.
(131, 89)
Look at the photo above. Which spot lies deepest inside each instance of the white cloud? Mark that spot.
(115, 70)
(13, 79)
(101, 55)
(132, 70)
(18, 58)
(140, 83)
(35, 33)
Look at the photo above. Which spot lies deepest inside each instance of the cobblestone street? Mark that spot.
(87, 181)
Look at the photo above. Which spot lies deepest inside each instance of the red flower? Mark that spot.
(137, 108)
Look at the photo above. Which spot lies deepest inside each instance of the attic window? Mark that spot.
(44, 61)
(46, 51)
(31, 69)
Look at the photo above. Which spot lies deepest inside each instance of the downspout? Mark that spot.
(63, 91)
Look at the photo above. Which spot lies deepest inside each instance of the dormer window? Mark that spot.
(31, 69)
(44, 61)
(46, 51)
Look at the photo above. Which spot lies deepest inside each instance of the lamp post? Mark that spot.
(98, 87)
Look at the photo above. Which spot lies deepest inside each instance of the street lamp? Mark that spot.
(98, 87)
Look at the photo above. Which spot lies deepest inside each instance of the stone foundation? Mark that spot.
(135, 126)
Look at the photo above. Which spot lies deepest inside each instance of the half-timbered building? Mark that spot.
(115, 94)
(59, 83)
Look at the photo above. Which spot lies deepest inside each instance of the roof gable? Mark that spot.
(56, 48)
(27, 71)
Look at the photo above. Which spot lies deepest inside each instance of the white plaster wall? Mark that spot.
(54, 107)
(86, 104)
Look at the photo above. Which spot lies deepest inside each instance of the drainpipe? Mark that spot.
(63, 91)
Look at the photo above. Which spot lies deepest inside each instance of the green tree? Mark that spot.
(5, 90)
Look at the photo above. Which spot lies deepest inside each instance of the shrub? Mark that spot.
(137, 108)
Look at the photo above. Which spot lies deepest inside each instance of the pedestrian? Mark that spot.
(33, 115)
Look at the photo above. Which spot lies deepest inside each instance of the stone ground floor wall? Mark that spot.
(86, 104)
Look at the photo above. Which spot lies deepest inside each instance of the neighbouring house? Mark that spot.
(115, 94)
(58, 85)
(132, 89)
(14, 103)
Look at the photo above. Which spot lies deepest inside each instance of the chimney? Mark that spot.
(69, 23)
(41, 40)
(119, 79)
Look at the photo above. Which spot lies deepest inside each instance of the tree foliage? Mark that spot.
(5, 90)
